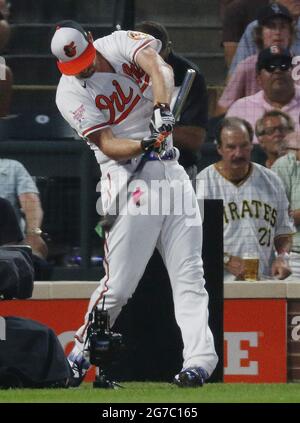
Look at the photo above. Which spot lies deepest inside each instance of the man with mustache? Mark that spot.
(256, 218)
(274, 73)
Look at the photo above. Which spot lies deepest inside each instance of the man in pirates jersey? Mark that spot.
(115, 92)
(256, 218)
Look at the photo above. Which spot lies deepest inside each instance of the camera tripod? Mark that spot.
(103, 346)
(102, 381)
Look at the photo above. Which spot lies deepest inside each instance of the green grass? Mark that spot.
(159, 393)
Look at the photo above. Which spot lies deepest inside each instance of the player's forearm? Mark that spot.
(188, 137)
(123, 149)
(162, 84)
(116, 148)
(32, 209)
(161, 75)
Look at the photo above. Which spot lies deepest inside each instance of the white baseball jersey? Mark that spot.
(122, 100)
(255, 212)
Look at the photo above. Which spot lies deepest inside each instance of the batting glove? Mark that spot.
(155, 142)
(162, 119)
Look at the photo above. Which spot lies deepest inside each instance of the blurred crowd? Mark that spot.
(258, 109)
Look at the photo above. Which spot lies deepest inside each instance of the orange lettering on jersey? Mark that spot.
(118, 100)
(105, 103)
(137, 74)
(119, 97)
(128, 110)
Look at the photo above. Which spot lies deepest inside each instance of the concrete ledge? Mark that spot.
(293, 289)
(42, 290)
(77, 289)
(83, 290)
(259, 289)
(63, 289)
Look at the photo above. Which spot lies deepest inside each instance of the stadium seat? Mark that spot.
(35, 126)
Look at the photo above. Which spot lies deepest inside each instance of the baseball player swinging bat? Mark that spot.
(108, 220)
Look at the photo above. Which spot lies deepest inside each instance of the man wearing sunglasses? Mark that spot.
(274, 74)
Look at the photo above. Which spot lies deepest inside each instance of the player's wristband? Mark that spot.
(165, 106)
(154, 141)
(146, 144)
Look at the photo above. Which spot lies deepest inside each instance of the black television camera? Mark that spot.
(16, 272)
(103, 346)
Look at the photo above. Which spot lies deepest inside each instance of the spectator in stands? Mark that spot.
(237, 15)
(256, 216)
(190, 130)
(10, 232)
(288, 169)
(6, 76)
(247, 46)
(4, 25)
(275, 27)
(16, 267)
(278, 89)
(18, 187)
(223, 6)
(271, 131)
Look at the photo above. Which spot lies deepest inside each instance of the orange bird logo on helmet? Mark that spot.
(70, 49)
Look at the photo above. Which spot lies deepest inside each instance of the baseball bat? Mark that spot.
(108, 220)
